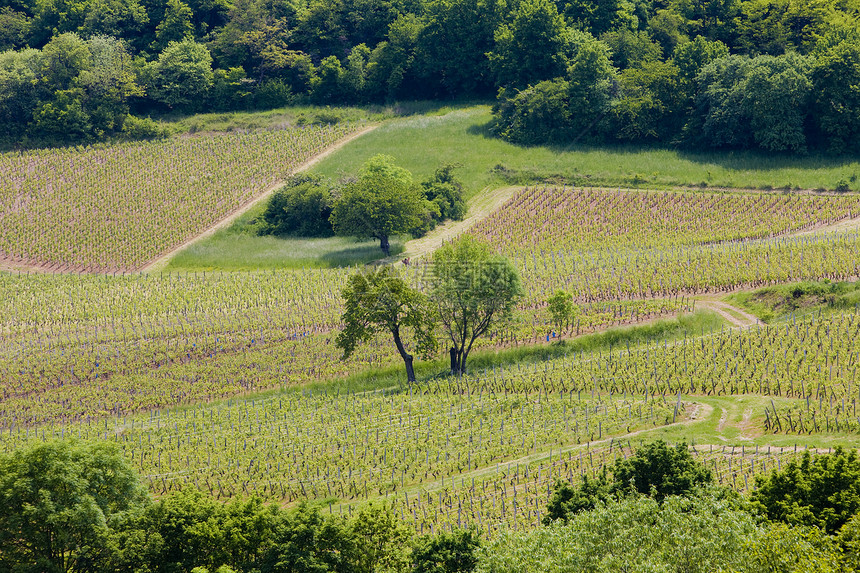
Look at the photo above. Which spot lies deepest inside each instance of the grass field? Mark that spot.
(239, 248)
(423, 143)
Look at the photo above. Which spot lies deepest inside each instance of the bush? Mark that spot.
(446, 192)
(301, 208)
(142, 128)
(822, 492)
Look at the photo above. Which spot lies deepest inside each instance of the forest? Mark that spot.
(771, 75)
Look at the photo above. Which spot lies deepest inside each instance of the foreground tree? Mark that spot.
(655, 470)
(382, 202)
(57, 500)
(823, 491)
(381, 301)
(472, 290)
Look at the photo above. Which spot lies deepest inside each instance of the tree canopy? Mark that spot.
(382, 202)
(379, 300)
(472, 291)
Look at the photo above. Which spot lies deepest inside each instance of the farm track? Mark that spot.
(732, 314)
(701, 412)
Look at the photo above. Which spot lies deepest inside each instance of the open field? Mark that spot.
(423, 143)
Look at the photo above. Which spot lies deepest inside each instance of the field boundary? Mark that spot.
(162, 260)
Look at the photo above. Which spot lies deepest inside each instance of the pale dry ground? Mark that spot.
(162, 261)
(480, 206)
(844, 226)
(732, 314)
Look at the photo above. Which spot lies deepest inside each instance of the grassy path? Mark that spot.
(732, 314)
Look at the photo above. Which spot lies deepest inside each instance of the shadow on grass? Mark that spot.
(358, 255)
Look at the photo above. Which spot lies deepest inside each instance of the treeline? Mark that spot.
(78, 507)
(768, 74)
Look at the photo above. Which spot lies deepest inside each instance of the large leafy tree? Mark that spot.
(533, 47)
(57, 499)
(182, 75)
(382, 202)
(382, 301)
(472, 290)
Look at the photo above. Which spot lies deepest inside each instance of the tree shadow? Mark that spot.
(359, 255)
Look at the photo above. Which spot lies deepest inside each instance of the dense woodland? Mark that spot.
(775, 75)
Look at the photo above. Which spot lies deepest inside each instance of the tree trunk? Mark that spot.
(383, 244)
(407, 358)
(455, 363)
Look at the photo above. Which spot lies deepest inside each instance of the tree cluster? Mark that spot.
(470, 291)
(382, 201)
(756, 75)
(570, 71)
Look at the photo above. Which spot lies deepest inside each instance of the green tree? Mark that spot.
(836, 88)
(560, 307)
(381, 301)
(536, 115)
(176, 24)
(304, 541)
(445, 191)
(182, 76)
(694, 535)
(591, 83)
(381, 542)
(470, 25)
(631, 49)
(533, 47)
(382, 202)
(300, 208)
(447, 552)
(821, 491)
(472, 291)
(650, 104)
(58, 499)
(659, 470)
(655, 470)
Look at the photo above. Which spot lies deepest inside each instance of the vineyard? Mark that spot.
(114, 208)
(117, 345)
(485, 450)
(169, 365)
(617, 245)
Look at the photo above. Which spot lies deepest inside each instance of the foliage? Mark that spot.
(300, 208)
(445, 191)
(655, 470)
(660, 471)
(382, 301)
(472, 291)
(822, 492)
(446, 552)
(695, 534)
(560, 306)
(382, 202)
(182, 75)
(532, 47)
(58, 500)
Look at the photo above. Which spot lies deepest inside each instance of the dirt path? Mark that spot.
(846, 225)
(701, 411)
(480, 206)
(162, 260)
(737, 317)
